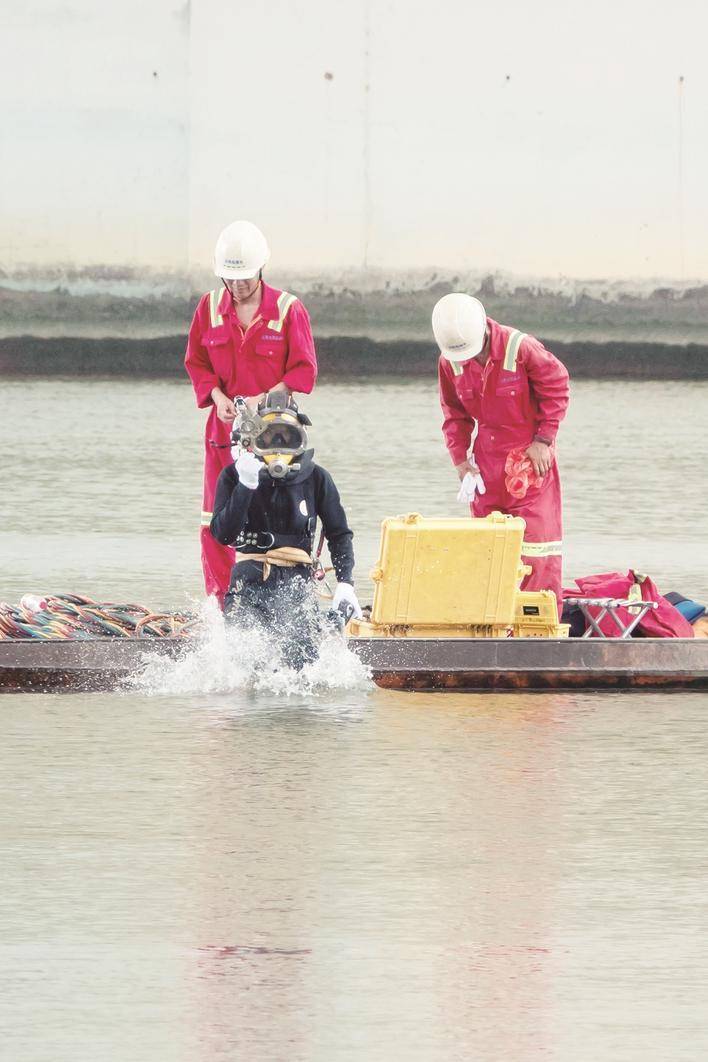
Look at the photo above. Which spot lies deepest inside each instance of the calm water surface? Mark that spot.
(193, 873)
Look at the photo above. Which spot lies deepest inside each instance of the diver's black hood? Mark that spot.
(306, 462)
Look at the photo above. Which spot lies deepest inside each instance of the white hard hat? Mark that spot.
(459, 326)
(241, 251)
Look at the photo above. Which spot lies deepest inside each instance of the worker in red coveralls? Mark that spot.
(501, 390)
(246, 339)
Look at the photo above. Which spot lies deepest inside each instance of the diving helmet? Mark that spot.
(275, 432)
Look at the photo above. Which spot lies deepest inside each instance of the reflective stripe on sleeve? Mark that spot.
(206, 518)
(215, 317)
(541, 549)
(513, 343)
(285, 301)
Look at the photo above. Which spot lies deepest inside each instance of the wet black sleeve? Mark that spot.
(336, 529)
(231, 504)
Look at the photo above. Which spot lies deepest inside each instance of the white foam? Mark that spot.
(227, 658)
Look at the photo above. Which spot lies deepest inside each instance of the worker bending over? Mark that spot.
(246, 339)
(500, 391)
(268, 500)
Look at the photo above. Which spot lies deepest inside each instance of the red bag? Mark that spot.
(662, 622)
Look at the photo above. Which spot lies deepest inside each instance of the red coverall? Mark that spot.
(277, 347)
(521, 393)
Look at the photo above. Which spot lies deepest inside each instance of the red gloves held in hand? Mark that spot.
(519, 473)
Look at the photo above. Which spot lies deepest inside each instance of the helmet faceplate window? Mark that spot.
(279, 438)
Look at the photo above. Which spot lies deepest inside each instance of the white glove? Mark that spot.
(472, 484)
(247, 468)
(344, 595)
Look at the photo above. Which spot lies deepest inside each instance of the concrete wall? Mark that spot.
(95, 132)
(547, 139)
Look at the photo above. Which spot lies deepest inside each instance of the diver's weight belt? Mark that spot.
(262, 541)
(281, 557)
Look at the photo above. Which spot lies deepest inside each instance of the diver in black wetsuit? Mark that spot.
(267, 505)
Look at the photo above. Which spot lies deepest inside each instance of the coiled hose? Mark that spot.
(72, 617)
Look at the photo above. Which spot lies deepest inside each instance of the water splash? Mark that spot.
(226, 658)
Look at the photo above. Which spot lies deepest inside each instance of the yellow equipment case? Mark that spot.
(455, 578)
